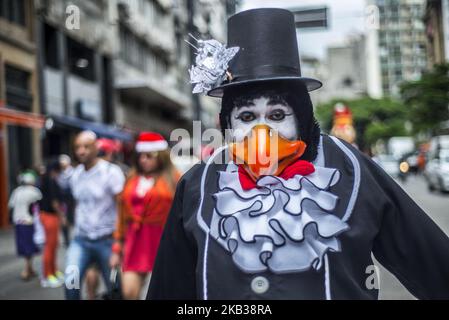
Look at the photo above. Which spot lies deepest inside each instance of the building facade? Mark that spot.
(151, 69)
(344, 71)
(77, 46)
(20, 121)
(402, 42)
(151, 93)
(437, 31)
(347, 70)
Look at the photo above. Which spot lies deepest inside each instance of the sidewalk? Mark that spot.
(12, 287)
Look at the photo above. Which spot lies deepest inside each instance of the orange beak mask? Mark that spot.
(265, 152)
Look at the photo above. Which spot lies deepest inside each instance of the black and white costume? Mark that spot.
(354, 209)
(303, 237)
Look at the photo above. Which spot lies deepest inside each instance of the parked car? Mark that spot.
(439, 143)
(437, 171)
(388, 163)
(411, 159)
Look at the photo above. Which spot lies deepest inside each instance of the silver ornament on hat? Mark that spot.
(211, 64)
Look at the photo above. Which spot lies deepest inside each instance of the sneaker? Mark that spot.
(59, 275)
(51, 282)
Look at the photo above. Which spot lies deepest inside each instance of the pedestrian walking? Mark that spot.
(95, 185)
(52, 216)
(66, 196)
(108, 150)
(145, 203)
(24, 204)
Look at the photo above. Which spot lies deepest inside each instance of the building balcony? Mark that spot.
(161, 91)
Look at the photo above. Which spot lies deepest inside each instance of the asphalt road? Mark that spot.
(11, 287)
(436, 205)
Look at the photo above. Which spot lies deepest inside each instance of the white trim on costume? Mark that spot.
(355, 189)
(206, 249)
(148, 146)
(327, 284)
(352, 200)
(200, 220)
(320, 161)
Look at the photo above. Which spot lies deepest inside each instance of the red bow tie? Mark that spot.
(300, 167)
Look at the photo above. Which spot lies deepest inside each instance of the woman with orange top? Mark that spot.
(145, 204)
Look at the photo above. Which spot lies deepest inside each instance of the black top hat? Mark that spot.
(268, 49)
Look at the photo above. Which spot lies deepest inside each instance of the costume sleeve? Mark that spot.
(173, 276)
(409, 244)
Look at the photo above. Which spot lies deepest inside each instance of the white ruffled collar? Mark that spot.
(282, 226)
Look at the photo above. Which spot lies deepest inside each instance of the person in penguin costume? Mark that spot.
(294, 213)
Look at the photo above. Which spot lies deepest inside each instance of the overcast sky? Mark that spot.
(346, 17)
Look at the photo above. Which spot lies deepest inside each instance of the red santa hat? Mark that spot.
(151, 141)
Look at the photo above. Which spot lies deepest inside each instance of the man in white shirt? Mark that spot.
(95, 186)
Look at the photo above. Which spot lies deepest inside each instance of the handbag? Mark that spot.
(115, 291)
(39, 232)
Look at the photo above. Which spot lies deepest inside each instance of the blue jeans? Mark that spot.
(81, 254)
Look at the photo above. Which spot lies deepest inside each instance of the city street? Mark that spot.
(11, 287)
(436, 205)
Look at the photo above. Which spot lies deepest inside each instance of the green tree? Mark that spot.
(428, 99)
(374, 119)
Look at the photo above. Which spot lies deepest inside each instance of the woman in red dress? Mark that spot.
(145, 204)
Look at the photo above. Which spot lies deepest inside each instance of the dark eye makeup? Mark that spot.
(278, 115)
(246, 116)
(274, 115)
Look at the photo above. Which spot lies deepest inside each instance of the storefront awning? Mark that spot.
(20, 118)
(102, 130)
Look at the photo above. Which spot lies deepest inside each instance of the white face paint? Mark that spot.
(262, 110)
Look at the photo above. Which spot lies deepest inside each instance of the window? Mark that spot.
(13, 11)
(417, 10)
(51, 47)
(395, 50)
(394, 13)
(179, 44)
(80, 60)
(347, 82)
(397, 60)
(131, 49)
(137, 53)
(18, 94)
(394, 36)
(152, 11)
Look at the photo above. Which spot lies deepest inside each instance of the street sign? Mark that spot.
(307, 18)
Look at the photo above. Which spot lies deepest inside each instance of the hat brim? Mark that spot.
(310, 83)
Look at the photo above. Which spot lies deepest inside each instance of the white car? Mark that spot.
(437, 171)
(388, 163)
